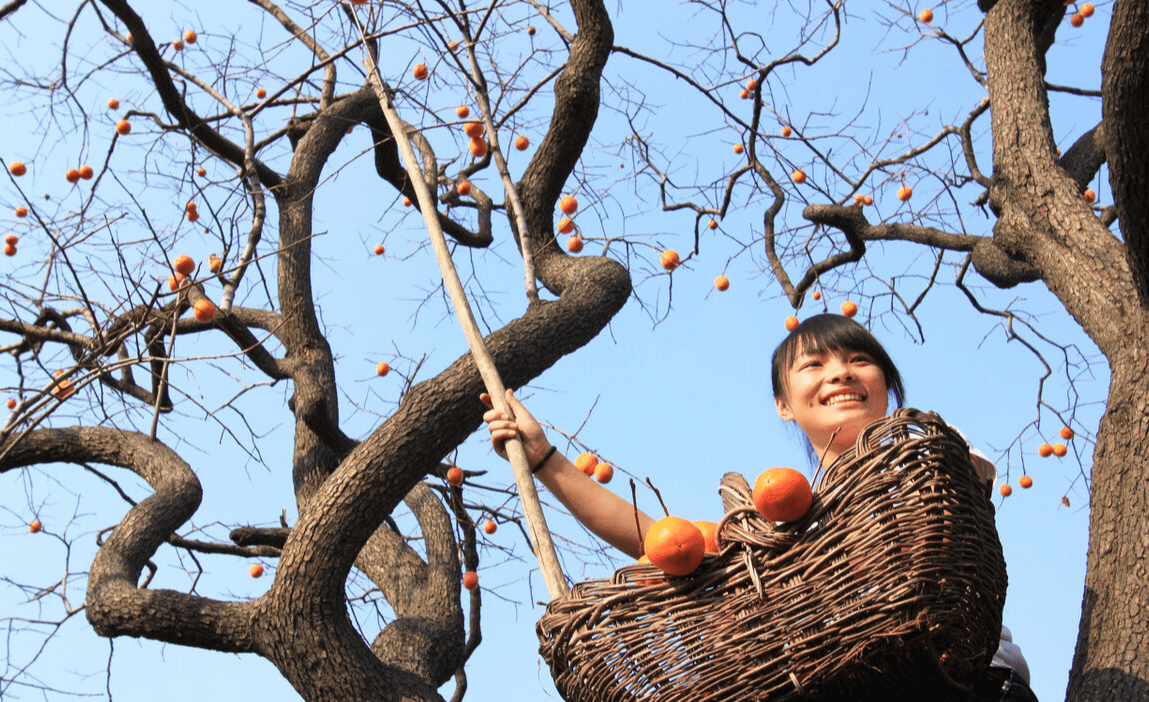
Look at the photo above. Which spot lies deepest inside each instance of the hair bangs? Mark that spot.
(829, 332)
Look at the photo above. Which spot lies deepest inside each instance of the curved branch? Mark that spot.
(390, 169)
(116, 606)
(993, 263)
(577, 99)
(426, 638)
(1085, 158)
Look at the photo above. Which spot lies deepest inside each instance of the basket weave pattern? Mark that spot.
(891, 588)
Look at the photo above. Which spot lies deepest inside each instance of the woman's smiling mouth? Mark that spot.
(843, 396)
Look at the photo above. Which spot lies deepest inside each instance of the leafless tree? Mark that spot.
(94, 303)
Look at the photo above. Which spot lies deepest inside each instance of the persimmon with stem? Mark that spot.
(675, 545)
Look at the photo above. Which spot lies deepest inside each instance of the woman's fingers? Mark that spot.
(502, 429)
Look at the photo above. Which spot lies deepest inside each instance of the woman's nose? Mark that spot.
(839, 371)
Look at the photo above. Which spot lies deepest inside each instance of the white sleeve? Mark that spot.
(1009, 655)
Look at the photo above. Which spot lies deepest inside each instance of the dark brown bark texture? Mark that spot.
(1099, 278)
(345, 500)
(345, 489)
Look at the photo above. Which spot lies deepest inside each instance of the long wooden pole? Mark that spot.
(528, 495)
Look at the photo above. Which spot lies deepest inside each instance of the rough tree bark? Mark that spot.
(1044, 221)
(345, 489)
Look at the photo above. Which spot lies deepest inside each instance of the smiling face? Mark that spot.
(832, 390)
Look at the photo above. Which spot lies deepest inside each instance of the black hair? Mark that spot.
(829, 332)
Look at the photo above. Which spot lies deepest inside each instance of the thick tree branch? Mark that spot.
(991, 262)
(1085, 158)
(426, 638)
(116, 605)
(1125, 102)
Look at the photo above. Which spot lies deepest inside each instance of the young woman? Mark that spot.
(831, 377)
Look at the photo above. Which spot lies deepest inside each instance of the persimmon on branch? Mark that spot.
(145, 47)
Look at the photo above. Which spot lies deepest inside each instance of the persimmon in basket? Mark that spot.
(709, 534)
(675, 544)
(782, 494)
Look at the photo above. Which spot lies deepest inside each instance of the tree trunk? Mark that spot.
(1111, 661)
(1044, 221)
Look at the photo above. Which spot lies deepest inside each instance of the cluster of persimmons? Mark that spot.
(678, 546)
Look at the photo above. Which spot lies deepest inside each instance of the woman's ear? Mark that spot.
(783, 411)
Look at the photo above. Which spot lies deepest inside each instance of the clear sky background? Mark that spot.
(676, 389)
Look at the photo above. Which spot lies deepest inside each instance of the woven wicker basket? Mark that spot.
(890, 588)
